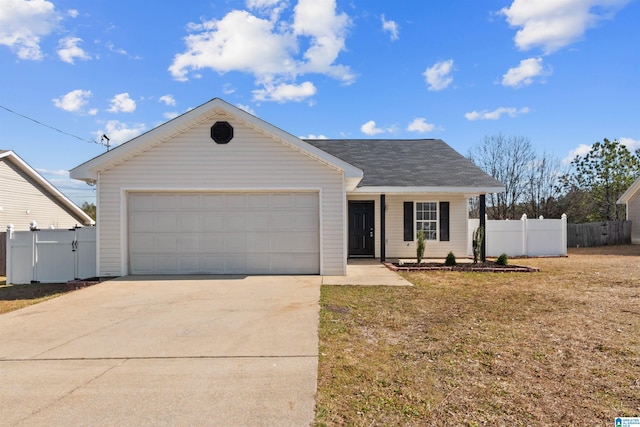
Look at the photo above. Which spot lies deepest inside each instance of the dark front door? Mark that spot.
(361, 233)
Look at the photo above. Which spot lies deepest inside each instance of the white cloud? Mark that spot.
(59, 172)
(23, 24)
(122, 103)
(73, 101)
(631, 144)
(119, 132)
(580, 151)
(391, 27)
(438, 76)
(168, 100)
(246, 108)
(420, 125)
(271, 49)
(312, 136)
(73, 13)
(238, 42)
(170, 115)
(285, 92)
(317, 19)
(555, 24)
(495, 114)
(524, 74)
(370, 128)
(69, 51)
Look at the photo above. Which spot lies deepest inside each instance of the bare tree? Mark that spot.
(543, 188)
(509, 160)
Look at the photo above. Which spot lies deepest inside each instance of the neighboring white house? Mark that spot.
(25, 196)
(631, 198)
(217, 190)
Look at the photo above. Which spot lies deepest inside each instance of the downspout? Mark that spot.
(483, 224)
(382, 228)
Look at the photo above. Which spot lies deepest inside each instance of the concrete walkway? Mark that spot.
(366, 272)
(223, 351)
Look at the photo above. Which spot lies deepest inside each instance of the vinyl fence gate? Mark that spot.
(50, 256)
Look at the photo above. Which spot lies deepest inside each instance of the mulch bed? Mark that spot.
(483, 267)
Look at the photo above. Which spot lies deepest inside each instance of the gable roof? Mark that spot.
(73, 209)
(89, 170)
(410, 165)
(633, 189)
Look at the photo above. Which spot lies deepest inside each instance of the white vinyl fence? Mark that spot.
(524, 237)
(50, 256)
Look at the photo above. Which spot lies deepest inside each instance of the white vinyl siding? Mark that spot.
(191, 161)
(396, 247)
(19, 194)
(633, 207)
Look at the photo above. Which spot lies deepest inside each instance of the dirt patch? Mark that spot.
(556, 347)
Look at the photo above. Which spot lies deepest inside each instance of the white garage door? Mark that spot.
(224, 233)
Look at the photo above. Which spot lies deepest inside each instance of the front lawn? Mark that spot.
(556, 347)
(14, 297)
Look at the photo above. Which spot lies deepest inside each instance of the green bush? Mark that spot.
(502, 260)
(420, 246)
(450, 259)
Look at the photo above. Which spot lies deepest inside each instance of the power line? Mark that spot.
(91, 141)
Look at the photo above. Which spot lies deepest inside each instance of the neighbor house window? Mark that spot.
(427, 219)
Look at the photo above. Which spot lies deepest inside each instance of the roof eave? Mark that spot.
(624, 199)
(471, 191)
(33, 174)
(90, 170)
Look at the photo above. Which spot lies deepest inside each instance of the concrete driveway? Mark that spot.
(201, 350)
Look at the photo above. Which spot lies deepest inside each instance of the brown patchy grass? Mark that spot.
(557, 347)
(14, 297)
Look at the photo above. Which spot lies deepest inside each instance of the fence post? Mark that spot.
(8, 259)
(524, 234)
(564, 234)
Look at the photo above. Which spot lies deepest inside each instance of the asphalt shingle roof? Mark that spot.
(407, 162)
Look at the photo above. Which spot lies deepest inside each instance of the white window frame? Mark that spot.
(434, 234)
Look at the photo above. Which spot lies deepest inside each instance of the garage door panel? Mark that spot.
(212, 202)
(258, 201)
(235, 201)
(188, 243)
(224, 233)
(212, 244)
(165, 222)
(189, 201)
(189, 222)
(166, 201)
(141, 223)
(306, 200)
(234, 222)
(280, 242)
(212, 222)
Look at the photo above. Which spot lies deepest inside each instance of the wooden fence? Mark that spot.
(599, 234)
(3, 253)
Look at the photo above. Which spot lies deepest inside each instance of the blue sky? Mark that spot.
(563, 73)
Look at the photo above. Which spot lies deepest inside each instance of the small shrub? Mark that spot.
(450, 259)
(502, 260)
(478, 237)
(420, 246)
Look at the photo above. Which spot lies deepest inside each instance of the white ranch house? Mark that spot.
(220, 191)
(631, 200)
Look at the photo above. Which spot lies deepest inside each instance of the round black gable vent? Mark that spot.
(222, 132)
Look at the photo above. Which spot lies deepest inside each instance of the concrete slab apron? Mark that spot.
(151, 351)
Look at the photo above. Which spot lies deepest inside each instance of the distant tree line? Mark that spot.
(536, 184)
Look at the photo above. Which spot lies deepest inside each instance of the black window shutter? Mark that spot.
(444, 221)
(408, 222)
